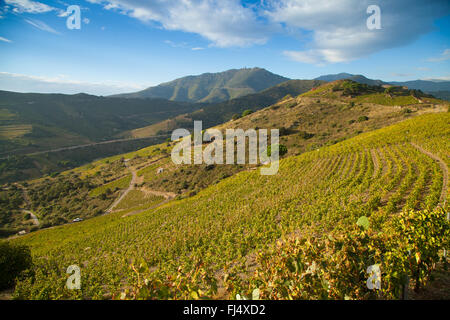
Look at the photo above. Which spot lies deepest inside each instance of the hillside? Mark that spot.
(45, 121)
(309, 121)
(439, 89)
(33, 123)
(215, 114)
(227, 233)
(328, 114)
(212, 87)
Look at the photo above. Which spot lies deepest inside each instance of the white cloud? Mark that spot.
(437, 79)
(5, 40)
(62, 84)
(224, 23)
(29, 6)
(445, 55)
(338, 31)
(183, 45)
(41, 25)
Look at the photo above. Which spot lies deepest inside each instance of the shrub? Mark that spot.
(247, 112)
(305, 135)
(363, 118)
(407, 110)
(235, 116)
(14, 259)
(284, 131)
(290, 104)
(282, 150)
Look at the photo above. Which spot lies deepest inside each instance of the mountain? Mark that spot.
(212, 87)
(214, 114)
(425, 85)
(357, 78)
(438, 88)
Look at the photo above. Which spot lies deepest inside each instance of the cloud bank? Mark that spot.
(224, 23)
(60, 84)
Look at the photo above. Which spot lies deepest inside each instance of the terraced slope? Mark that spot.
(210, 244)
(306, 122)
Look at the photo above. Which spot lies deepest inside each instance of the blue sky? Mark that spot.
(127, 45)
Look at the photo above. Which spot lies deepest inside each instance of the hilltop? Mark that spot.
(212, 87)
(354, 77)
(439, 89)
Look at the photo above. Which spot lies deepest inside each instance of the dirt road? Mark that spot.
(124, 194)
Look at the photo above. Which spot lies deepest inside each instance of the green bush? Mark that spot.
(305, 135)
(247, 112)
(407, 110)
(14, 259)
(363, 118)
(282, 150)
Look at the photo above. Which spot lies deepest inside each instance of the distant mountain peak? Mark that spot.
(212, 87)
(355, 77)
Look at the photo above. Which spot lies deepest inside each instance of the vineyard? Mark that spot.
(283, 235)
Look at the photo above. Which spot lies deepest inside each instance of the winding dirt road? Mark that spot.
(33, 217)
(124, 194)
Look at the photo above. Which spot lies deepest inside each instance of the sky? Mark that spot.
(128, 45)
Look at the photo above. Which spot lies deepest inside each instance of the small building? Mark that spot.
(160, 170)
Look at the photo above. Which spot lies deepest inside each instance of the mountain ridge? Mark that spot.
(440, 89)
(211, 87)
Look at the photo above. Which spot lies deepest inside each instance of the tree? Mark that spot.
(14, 259)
